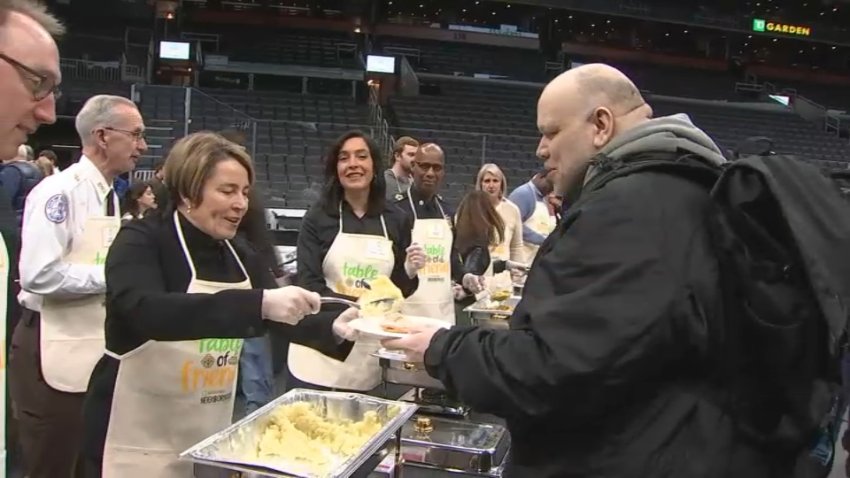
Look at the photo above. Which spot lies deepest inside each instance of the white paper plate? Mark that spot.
(372, 326)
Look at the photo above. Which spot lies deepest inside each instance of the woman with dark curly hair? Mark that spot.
(347, 239)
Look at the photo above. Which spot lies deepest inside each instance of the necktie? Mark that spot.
(110, 203)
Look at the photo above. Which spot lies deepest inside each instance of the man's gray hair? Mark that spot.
(33, 9)
(99, 111)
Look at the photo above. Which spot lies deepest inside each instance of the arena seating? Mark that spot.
(451, 58)
(107, 45)
(465, 112)
(290, 131)
(290, 47)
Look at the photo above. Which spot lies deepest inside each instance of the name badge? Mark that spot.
(437, 231)
(108, 235)
(376, 249)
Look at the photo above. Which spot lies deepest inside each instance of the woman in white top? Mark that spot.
(139, 200)
(491, 180)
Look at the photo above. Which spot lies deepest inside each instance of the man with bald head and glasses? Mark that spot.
(70, 219)
(604, 371)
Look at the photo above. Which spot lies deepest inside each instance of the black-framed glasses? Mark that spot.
(41, 85)
(136, 135)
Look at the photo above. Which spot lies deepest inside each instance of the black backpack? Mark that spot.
(781, 232)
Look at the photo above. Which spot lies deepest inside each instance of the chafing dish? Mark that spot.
(396, 369)
(455, 445)
(428, 392)
(231, 448)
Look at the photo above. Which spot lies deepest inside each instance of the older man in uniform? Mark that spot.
(69, 222)
(603, 370)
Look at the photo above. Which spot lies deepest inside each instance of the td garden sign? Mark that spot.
(764, 26)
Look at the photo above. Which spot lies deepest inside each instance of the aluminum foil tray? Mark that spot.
(477, 310)
(231, 447)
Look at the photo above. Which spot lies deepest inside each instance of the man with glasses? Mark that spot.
(29, 74)
(433, 228)
(29, 71)
(69, 222)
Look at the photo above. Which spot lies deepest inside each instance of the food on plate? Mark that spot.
(373, 303)
(296, 433)
(496, 305)
(501, 295)
(397, 324)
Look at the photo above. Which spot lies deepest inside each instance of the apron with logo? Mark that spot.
(433, 298)
(170, 395)
(540, 222)
(72, 328)
(351, 261)
(4, 290)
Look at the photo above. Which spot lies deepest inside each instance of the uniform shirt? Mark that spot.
(395, 185)
(147, 275)
(319, 229)
(430, 208)
(56, 212)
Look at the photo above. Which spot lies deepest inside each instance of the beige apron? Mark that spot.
(433, 298)
(351, 260)
(4, 290)
(169, 396)
(72, 328)
(540, 222)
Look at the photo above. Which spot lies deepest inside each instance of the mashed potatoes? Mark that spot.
(297, 434)
(381, 288)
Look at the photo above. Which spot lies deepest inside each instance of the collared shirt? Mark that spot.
(55, 213)
(396, 186)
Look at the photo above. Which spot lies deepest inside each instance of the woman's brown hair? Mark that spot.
(477, 223)
(130, 204)
(191, 163)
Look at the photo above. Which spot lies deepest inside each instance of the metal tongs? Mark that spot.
(384, 302)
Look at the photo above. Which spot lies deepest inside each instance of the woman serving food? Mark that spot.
(182, 293)
(348, 241)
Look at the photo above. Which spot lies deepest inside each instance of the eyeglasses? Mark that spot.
(41, 85)
(136, 135)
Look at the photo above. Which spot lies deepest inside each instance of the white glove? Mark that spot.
(458, 292)
(289, 304)
(342, 324)
(415, 260)
(474, 283)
